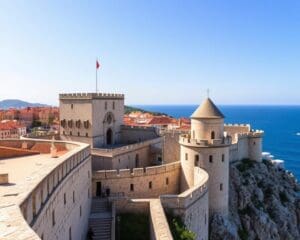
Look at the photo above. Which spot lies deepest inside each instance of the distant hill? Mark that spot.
(129, 109)
(16, 103)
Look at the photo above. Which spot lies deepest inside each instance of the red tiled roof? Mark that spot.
(160, 121)
(8, 125)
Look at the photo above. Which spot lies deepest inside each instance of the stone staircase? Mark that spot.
(100, 220)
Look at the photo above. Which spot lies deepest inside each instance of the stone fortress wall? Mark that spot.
(192, 205)
(133, 134)
(171, 150)
(140, 154)
(55, 202)
(148, 182)
(246, 143)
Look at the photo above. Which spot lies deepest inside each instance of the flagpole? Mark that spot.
(96, 77)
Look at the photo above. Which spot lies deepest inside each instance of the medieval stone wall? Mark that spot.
(140, 182)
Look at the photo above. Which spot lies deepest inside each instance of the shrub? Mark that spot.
(245, 165)
(243, 234)
(133, 226)
(245, 211)
(179, 230)
(283, 197)
(267, 163)
(268, 191)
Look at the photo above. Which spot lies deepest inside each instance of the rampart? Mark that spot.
(192, 204)
(185, 139)
(115, 151)
(140, 182)
(131, 134)
(39, 200)
(72, 96)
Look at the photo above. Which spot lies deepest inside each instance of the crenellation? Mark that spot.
(74, 96)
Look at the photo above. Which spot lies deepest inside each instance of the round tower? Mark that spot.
(207, 148)
(255, 146)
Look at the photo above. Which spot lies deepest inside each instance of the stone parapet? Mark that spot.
(183, 200)
(72, 96)
(254, 133)
(112, 152)
(25, 204)
(135, 172)
(185, 139)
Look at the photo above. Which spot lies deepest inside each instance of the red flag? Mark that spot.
(97, 64)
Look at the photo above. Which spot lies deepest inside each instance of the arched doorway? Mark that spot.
(109, 136)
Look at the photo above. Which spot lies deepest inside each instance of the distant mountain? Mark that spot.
(15, 103)
(129, 109)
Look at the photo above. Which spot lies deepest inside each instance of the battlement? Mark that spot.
(188, 197)
(185, 139)
(237, 125)
(136, 172)
(130, 127)
(110, 152)
(69, 96)
(253, 133)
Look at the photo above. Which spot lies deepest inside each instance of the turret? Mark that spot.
(207, 122)
(207, 148)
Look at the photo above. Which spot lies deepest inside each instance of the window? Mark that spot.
(113, 105)
(80, 211)
(210, 158)
(70, 133)
(131, 187)
(221, 187)
(105, 105)
(72, 106)
(70, 233)
(253, 143)
(73, 196)
(150, 185)
(186, 156)
(64, 133)
(65, 199)
(88, 193)
(212, 135)
(53, 218)
(86, 134)
(223, 157)
(196, 160)
(78, 134)
(167, 181)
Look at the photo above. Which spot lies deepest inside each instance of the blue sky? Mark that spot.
(155, 52)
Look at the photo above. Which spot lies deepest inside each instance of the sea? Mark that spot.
(281, 125)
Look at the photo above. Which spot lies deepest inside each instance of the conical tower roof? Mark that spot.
(207, 110)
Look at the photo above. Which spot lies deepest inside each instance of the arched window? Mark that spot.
(212, 135)
(210, 158)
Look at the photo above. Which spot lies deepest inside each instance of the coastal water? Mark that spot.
(280, 123)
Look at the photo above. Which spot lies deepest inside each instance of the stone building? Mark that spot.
(132, 165)
(135, 169)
